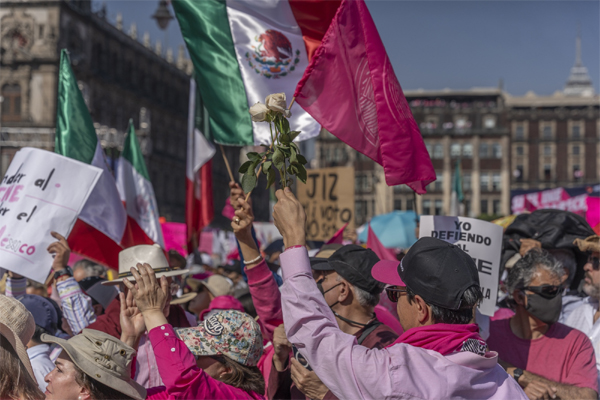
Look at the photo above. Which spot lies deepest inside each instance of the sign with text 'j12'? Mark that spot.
(41, 192)
(481, 240)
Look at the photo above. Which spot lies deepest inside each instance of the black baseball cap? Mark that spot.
(353, 263)
(436, 270)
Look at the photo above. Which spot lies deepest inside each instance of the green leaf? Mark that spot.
(295, 146)
(244, 167)
(278, 158)
(293, 158)
(301, 159)
(270, 177)
(302, 173)
(266, 166)
(248, 182)
(253, 156)
(294, 135)
(283, 124)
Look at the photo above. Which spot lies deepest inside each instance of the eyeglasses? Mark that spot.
(595, 261)
(547, 291)
(394, 293)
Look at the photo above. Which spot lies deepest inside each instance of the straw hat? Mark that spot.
(591, 243)
(184, 298)
(217, 285)
(17, 326)
(144, 254)
(103, 358)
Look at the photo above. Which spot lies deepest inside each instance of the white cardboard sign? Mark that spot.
(41, 192)
(482, 240)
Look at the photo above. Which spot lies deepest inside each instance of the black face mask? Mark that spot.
(320, 287)
(544, 309)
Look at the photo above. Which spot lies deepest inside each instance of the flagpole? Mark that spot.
(227, 163)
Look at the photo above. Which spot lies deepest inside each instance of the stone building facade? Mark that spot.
(120, 77)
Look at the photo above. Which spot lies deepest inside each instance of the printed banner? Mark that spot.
(553, 198)
(481, 240)
(41, 192)
(328, 198)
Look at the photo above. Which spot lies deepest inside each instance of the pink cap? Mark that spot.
(386, 271)
(222, 303)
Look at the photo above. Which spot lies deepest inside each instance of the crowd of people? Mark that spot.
(278, 324)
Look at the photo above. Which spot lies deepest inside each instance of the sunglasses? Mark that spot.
(547, 291)
(595, 261)
(394, 293)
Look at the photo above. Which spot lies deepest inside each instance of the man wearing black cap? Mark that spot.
(344, 279)
(439, 356)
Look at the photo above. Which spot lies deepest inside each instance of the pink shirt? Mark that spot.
(401, 371)
(182, 378)
(563, 354)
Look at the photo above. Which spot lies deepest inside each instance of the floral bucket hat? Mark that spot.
(225, 332)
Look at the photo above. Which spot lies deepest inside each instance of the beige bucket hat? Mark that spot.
(17, 326)
(104, 358)
(591, 243)
(144, 254)
(217, 285)
(184, 298)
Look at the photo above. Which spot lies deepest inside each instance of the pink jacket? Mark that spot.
(182, 378)
(401, 371)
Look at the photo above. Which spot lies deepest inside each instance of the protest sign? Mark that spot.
(41, 192)
(328, 198)
(481, 240)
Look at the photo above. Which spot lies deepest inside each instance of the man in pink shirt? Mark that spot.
(548, 359)
(439, 356)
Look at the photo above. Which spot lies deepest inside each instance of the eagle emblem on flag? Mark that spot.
(272, 56)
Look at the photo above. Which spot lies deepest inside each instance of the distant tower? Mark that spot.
(579, 82)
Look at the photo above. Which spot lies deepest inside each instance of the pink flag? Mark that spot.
(350, 88)
(593, 213)
(374, 244)
(338, 237)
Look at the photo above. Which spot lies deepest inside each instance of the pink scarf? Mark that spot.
(443, 338)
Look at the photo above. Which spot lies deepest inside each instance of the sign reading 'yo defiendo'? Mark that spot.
(481, 240)
(41, 192)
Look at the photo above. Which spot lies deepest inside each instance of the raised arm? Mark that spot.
(346, 368)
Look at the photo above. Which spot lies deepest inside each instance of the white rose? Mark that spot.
(258, 112)
(276, 102)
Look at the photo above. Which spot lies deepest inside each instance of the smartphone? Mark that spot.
(303, 361)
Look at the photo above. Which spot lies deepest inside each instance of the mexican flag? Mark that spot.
(137, 194)
(100, 227)
(457, 207)
(245, 50)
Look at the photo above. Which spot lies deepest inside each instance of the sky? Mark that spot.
(529, 45)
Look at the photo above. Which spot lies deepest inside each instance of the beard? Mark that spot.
(591, 290)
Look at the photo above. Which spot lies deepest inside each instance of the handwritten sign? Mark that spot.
(481, 240)
(328, 198)
(41, 192)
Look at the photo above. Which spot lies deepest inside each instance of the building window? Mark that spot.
(466, 181)
(438, 207)
(429, 150)
(484, 206)
(519, 150)
(439, 183)
(497, 150)
(438, 151)
(409, 204)
(40, 31)
(397, 204)
(520, 132)
(577, 173)
(547, 132)
(575, 150)
(461, 123)
(485, 182)
(576, 132)
(11, 103)
(455, 150)
(496, 207)
(496, 182)
(518, 173)
(426, 207)
(547, 172)
(489, 122)
(467, 150)
(483, 150)
(547, 151)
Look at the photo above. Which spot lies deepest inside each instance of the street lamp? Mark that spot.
(162, 15)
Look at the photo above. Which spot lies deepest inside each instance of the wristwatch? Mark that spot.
(517, 374)
(62, 272)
